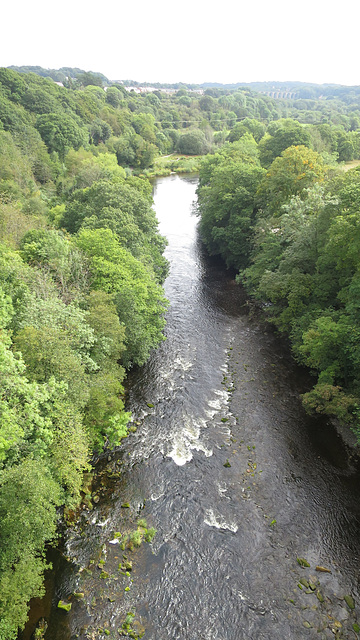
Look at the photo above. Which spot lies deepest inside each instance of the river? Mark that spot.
(237, 480)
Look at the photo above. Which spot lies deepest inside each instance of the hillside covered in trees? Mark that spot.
(82, 266)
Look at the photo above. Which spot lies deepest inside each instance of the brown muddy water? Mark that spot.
(237, 480)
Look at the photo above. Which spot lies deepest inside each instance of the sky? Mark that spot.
(190, 41)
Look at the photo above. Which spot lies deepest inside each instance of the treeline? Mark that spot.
(139, 127)
(302, 90)
(66, 75)
(288, 221)
(81, 269)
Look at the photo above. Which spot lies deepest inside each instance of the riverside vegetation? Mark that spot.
(288, 221)
(82, 267)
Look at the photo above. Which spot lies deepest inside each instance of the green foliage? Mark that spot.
(226, 197)
(16, 178)
(28, 498)
(124, 207)
(61, 132)
(47, 352)
(139, 300)
(333, 401)
(58, 255)
(281, 135)
(20, 404)
(150, 534)
(300, 246)
(104, 413)
(297, 168)
(70, 448)
(175, 163)
(29, 141)
(100, 131)
(248, 125)
(193, 143)
(6, 309)
(110, 334)
(15, 277)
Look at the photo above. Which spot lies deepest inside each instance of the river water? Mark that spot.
(236, 479)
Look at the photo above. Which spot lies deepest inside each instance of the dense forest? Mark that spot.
(82, 265)
(288, 221)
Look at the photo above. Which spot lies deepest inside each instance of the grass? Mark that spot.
(135, 538)
(350, 165)
(173, 163)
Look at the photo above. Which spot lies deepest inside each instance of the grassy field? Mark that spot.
(350, 165)
(173, 163)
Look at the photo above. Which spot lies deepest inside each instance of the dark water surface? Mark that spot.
(223, 564)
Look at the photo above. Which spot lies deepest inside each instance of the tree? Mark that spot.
(114, 96)
(55, 252)
(15, 170)
(47, 352)
(87, 78)
(124, 207)
(248, 125)
(207, 103)
(144, 125)
(280, 136)
(226, 207)
(60, 133)
(32, 146)
(139, 300)
(297, 169)
(28, 499)
(193, 143)
(285, 259)
(100, 131)
(104, 415)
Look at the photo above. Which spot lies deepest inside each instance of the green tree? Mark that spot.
(139, 300)
(114, 96)
(100, 131)
(28, 499)
(87, 78)
(193, 143)
(55, 252)
(16, 177)
(60, 132)
(248, 125)
(226, 207)
(124, 206)
(281, 135)
(104, 413)
(297, 169)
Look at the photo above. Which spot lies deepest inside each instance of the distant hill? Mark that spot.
(302, 90)
(294, 90)
(60, 75)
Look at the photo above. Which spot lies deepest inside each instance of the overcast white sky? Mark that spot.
(191, 41)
